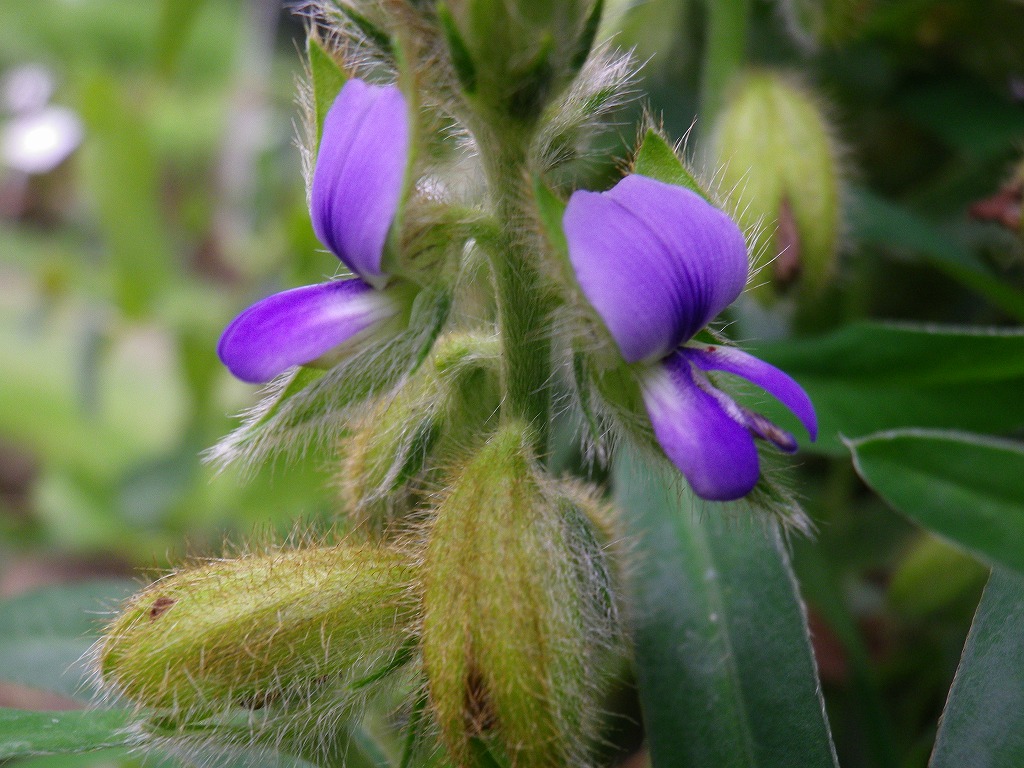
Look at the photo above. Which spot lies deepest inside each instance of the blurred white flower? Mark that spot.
(38, 142)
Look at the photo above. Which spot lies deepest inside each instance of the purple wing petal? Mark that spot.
(298, 326)
(359, 175)
(714, 452)
(768, 377)
(657, 262)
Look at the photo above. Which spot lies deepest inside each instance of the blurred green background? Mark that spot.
(172, 197)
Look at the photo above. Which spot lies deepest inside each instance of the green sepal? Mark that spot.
(582, 377)
(462, 59)
(587, 36)
(533, 84)
(327, 79)
(551, 209)
(656, 159)
(371, 31)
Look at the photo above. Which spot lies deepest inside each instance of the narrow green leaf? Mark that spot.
(658, 160)
(966, 488)
(44, 634)
(869, 377)
(124, 181)
(328, 79)
(877, 221)
(724, 662)
(25, 733)
(983, 724)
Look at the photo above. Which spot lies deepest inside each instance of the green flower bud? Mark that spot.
(782, 172)
(518, 611)
(513, 56)
(277, 641)
(384, 460)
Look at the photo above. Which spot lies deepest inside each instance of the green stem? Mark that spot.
(524, 306)
(725, 48)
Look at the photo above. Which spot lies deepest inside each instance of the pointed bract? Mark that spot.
(656, 261)
(359, 175)
(299, 326)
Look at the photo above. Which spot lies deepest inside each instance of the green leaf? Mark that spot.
(877, 221)
(25, 733)
(124, 181)
(658, 160)
(983, 724)
(45, 634)
(328, 79)
(966, 488)
(870, 377)
(724, 662)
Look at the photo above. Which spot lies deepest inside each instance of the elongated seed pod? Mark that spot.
(288, 632)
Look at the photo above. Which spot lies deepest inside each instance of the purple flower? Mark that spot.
(356, 191)
(658, 262)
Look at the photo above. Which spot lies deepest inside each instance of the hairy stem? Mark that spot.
(524, 306)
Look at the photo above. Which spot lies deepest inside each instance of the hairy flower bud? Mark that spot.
(450, 400)
(780, 164)
(514, 56)
(518, 610)
(289, 637)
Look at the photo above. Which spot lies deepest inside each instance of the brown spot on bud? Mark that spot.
(478, 709)
(787, 266)
(160, 607)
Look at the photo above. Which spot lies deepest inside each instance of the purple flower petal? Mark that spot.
(767, 377)
(298, 326)
(656, 261)
(359, 175)
(710, 447)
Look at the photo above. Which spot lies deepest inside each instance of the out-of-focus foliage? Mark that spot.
(184, 202)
